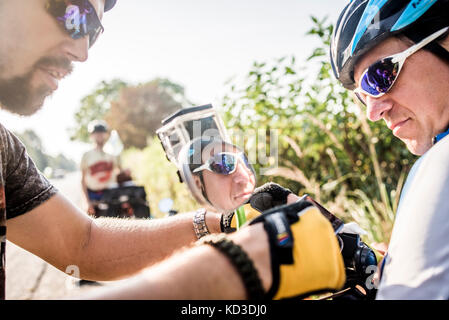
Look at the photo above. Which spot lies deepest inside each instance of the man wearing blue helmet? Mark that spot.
(394, 56)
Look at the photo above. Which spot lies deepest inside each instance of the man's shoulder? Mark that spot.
(433, 164)
(420, 230)
(88, 152)
(439, 150)
(94, 155)
(425, 193)
(10, 145)
(2, 128)
(5, 133)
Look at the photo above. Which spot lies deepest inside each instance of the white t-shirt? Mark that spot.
(417, 265)
(101, 169)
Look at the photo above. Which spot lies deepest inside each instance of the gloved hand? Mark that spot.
(305, 253)
(268, 196)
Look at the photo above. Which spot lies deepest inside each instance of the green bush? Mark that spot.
(326, 145)
(151, 169)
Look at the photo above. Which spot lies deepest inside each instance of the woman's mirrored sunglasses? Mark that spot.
(224, 163)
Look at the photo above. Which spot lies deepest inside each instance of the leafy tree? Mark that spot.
(94, 106)
(33, 144)
(139, 110)
(326, 146)
(35, 150)
(62, 162)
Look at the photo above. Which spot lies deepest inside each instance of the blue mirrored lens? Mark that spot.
(380, 77)
(245, 160)
(223, 163)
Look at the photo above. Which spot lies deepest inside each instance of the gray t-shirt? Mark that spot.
(417, 265)
(22, 188)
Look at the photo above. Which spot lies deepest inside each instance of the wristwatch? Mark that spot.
(199, 223)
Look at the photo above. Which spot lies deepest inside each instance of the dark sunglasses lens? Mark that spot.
(379, 77)
(223, 163)
(93, 35)
(78, 17)
(93, 25)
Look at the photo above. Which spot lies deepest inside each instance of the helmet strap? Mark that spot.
(203, 188)
(433, 47)
(438, 50)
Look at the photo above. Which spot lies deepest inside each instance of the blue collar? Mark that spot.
(440, 136)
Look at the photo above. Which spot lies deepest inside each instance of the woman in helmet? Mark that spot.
(394, 56)
(223, 177)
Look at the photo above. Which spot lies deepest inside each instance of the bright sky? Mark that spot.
(199, 44)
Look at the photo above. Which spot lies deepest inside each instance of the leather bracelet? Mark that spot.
(241, 261)
(199, 223)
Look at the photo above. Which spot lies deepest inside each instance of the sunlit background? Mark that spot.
(199, 44)
(327, 148)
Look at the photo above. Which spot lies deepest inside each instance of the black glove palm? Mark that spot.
(268, 196)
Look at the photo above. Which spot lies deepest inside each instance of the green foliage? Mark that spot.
(151, 169)
(94, 107)
(327, 147)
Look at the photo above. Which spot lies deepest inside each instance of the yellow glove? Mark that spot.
(305, 253)
(229, 220)
(250, 214)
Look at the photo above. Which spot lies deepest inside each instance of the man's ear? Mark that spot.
(197, 181)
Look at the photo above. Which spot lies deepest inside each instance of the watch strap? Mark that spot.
(199, 223)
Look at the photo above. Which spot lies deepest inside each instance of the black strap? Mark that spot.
(438, 50)
(241, 261)
(281, 247)
(225, 222)
(419, 32)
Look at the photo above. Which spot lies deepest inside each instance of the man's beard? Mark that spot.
(17, 95)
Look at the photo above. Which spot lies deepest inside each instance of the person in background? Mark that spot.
(99, 169)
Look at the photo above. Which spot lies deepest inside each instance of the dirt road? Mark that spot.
(29, 277)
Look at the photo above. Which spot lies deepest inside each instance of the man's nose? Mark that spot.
(377, 107)
(77, 50)
(241, 174)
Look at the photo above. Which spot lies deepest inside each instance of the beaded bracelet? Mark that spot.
(241, 262)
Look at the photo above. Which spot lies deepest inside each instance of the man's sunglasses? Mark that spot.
(380, 77)
(77, 17)
(224, 163)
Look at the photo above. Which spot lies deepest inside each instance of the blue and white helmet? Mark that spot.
(365, 23)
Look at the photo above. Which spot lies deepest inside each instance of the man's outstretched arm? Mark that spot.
(288, 264)
(105, 248)
(198, 273)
